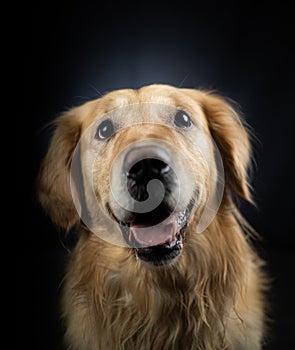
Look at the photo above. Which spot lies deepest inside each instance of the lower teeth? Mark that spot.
(172, 244)
(177, 241)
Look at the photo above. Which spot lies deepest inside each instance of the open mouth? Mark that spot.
(157, 237)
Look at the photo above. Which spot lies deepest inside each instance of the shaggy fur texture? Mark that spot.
(210, 298)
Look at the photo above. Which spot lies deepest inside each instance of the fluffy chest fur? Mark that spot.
(117, 302)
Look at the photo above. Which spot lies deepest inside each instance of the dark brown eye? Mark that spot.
(105, 130)
(182, 120)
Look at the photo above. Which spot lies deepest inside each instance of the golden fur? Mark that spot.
(211, 298)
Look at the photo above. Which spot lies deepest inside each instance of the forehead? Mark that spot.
(143, 105)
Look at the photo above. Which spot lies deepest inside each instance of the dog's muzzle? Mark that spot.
(152, 223)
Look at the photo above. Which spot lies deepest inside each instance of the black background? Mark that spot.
(246, 52)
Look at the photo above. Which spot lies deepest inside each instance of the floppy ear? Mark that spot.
(231, 137)
(54, 176)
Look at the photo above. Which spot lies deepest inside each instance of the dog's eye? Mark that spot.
(105, 130)
(182, 120)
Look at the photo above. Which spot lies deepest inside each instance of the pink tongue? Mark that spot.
(154, 235)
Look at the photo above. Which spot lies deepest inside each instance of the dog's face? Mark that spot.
(144, 164)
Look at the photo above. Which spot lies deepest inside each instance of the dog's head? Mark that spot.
(143, 164)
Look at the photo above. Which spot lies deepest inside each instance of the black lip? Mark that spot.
(162, 254)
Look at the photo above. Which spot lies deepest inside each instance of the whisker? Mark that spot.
(183, 80)
(96, 90)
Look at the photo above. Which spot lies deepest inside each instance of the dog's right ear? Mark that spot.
(54, 177)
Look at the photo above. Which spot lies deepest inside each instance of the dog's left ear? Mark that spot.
(231, 137)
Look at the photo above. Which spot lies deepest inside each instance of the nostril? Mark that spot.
(136, 171)
(165, 170)
(158, 166)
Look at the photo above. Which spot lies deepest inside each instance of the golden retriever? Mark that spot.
(163, 259)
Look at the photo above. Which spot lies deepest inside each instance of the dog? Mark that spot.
(164, 259)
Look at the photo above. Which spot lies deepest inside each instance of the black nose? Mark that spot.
(144, 164)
